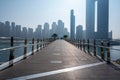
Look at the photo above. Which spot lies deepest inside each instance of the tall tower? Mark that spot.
(7, 29)
(103, 19)
(72, 25)
(79, 32)
(90, 18)
(60, 28)
(46, 33)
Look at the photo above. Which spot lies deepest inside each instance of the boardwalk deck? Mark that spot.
(60, 61)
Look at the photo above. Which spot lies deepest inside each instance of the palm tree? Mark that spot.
(54, 35)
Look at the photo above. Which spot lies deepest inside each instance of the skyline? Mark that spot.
(30, 13)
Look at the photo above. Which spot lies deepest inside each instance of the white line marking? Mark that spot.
(55, 61)
(56, 71)
(56, 54)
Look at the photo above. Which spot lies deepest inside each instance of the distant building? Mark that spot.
(46, 31)
(18, 31)
(24, 32)
(65, 32)
(72, 25)
(6, 29)
(54, 28)
(84, 34)
(60, 28)
(30, 33)
(1, 29)
(13, 29)
(38, 32)
(110, 35)
(79, 32)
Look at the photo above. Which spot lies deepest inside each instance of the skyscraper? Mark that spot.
(72, 25)
(46, 33)
(30, 33)
(38, 32)
(103, 19)
(24, 32)
(90, 18)
(18, 30)
(1, 29)
(79, 32)
(60, 28)
(7, 29)
(13, 29)
(54, 28)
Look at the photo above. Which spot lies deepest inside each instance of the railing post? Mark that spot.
(102, 50)
(32, 46)
(41, 44)
(108, 52)
(25, 48)
(88, 46)
(83, 45)
(11, 56)
(94, 47)
(37, 45)
(80, 44)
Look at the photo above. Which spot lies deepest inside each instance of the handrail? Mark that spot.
(95, 43)
(34, 43)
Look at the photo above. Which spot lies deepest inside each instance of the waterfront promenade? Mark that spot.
(60, 60)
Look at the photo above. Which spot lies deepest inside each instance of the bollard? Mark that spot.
(37, 45)
(32, 46)
(108, 52)
(94, 47)
(11, 56)
(25, 48)
(102, 50)
(88, 46)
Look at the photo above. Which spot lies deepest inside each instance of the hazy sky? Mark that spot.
(30, 13)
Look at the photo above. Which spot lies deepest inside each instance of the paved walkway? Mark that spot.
(60, 61)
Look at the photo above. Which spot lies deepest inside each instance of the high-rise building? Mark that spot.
(24, 32)
(110, 35)
(65, 32)
(54, 29)
(1, 29)
(90, 18)
(102, 19)
(60, 28)
(46, 33)
(38, 32)
(13, 29)
(30, 33)
(7, 29)
(18, 30)
(79, 32)
(72, 25)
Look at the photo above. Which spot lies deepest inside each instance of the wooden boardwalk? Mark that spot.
(60, 61)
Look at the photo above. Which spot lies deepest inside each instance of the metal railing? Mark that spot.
(29, 47)
(96, 47)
